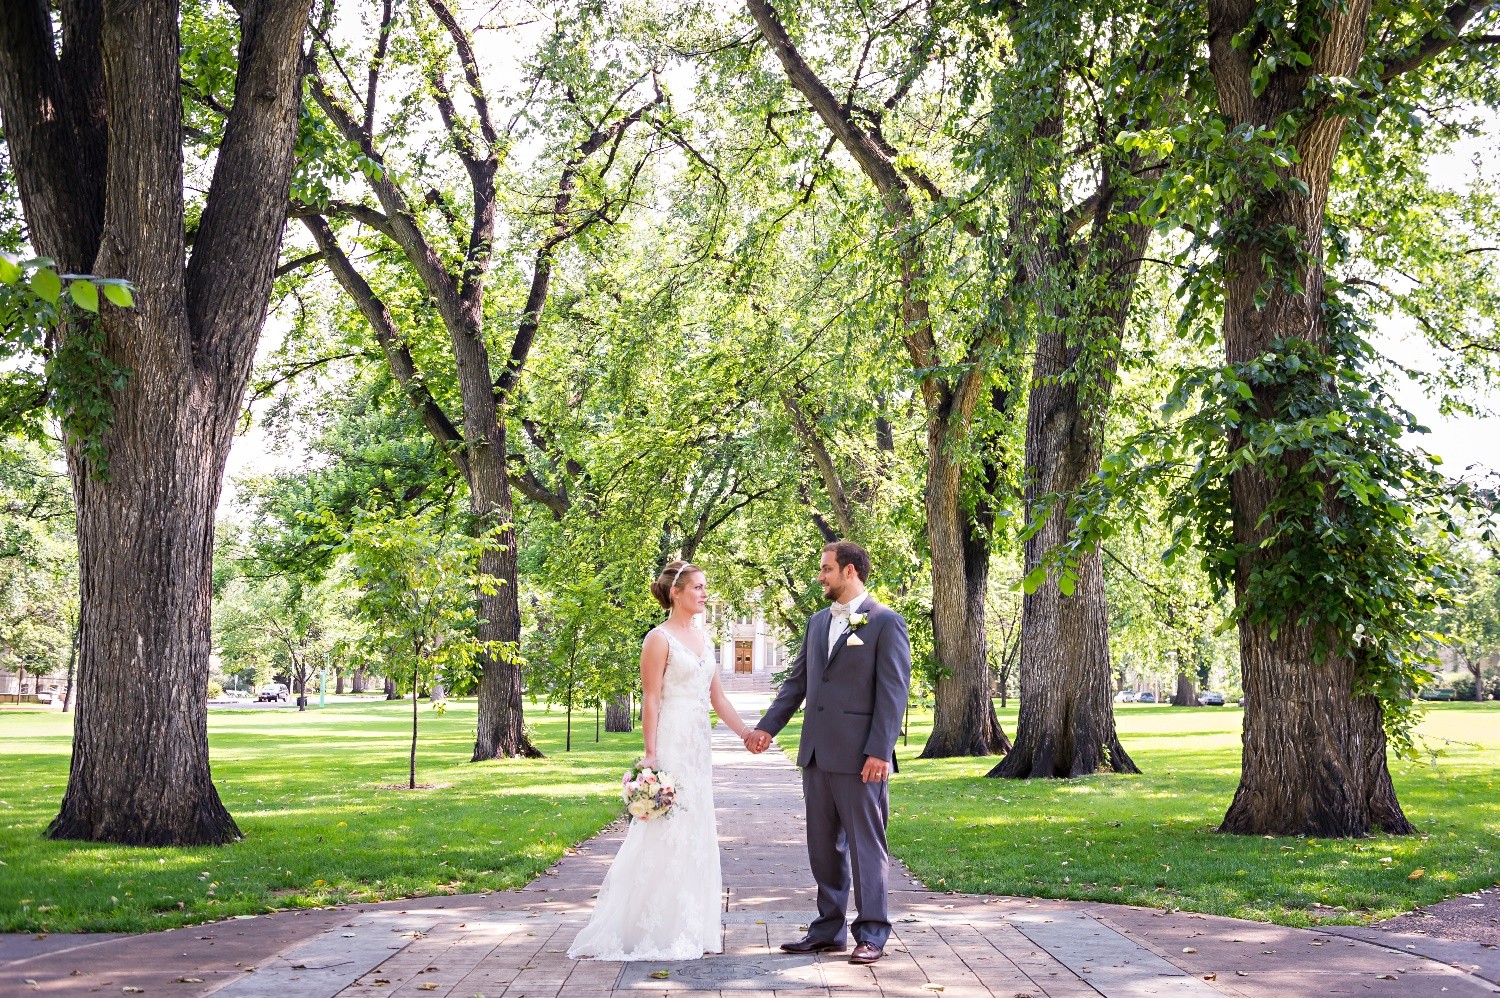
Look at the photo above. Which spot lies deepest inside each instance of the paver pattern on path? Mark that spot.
(514, 944)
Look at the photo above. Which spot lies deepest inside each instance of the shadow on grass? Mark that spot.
(305, 790)
(1151, 840)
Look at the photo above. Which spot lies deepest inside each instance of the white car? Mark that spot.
(272, 692)
(1125, 696)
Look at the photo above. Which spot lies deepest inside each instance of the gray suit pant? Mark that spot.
(846, 820)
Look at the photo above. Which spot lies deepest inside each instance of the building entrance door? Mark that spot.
(742, 657)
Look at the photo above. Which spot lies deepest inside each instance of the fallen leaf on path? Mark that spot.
(133, 990)
(1210, 977)
(932, 987)
(1188, 949)
(189, 980)
(661, 975)
(1385, 977)
(427, 987)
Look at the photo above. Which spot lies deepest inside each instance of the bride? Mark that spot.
(662, 896)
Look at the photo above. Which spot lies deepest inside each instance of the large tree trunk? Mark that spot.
(1066, 722)
(1187, 692)
(1314, 752)
(500, 732)
(357, 682)
(617, 714)
(964, 721)
(145, 636)
(95, 137)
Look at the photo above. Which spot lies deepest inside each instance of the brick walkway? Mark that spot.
(515, 944)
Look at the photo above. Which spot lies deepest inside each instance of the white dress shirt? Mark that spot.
(838, 617)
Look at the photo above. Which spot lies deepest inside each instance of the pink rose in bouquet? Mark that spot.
(648, 793)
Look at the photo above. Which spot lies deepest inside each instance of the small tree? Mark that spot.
(416, 588)
(1472, 626)
(580, 640)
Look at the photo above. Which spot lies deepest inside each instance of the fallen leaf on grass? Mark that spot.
(661, 975)
(1416, 874)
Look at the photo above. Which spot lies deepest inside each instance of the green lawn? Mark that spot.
(306, 790)
(1150, 839)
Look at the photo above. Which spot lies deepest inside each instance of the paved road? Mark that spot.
(514, 944)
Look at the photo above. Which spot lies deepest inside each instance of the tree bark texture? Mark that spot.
(618, 715)
(964, 721)
(1065, 725)
(95, 136)
(1314, 752)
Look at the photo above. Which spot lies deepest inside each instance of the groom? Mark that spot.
(854, 672)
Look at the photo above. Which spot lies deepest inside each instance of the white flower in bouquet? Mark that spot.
(648, 793)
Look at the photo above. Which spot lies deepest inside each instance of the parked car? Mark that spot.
(1125, 696)
(1145, 696)
(1210, 699)
(1438, 693)
(272, 692)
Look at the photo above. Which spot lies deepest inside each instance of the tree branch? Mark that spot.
(397, 354)
(239, 236)
(400, 220)
(1437, 40)
(298, 263)
(541, 274)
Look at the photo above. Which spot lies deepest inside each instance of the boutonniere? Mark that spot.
(858, 620)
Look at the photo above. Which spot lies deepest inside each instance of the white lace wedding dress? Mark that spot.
(663, 894)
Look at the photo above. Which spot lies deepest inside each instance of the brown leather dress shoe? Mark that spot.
(813, 946)
(865, 953)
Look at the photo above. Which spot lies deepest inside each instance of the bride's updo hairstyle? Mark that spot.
(672, 578)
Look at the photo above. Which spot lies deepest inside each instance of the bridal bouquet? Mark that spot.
(648, 793)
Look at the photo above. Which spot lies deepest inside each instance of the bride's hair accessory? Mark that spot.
(668, 581)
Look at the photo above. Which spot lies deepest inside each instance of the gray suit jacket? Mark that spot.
(855, 695)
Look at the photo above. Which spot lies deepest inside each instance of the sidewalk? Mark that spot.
(514, 944)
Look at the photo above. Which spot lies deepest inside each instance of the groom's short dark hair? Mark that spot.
(848, 553)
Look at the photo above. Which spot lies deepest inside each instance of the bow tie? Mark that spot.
(841, 610)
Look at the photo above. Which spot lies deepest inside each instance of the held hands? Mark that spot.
(757, 741)
(875, 771)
